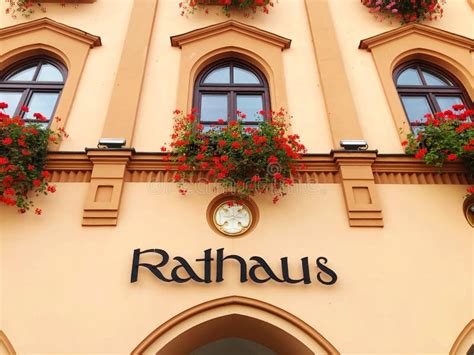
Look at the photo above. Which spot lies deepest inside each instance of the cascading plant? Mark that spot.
(245, 160)
(248, 7)
(23, 153)
(446, 137)
(406, 11)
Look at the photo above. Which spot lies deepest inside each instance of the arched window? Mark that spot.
(227, 87)
(35, 83)
(426, 89)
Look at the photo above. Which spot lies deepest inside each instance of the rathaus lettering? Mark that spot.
(212, 268)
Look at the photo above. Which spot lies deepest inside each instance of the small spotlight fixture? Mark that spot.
(111, 143)
(348, 144)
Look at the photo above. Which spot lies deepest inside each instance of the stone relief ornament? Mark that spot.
(232, 218)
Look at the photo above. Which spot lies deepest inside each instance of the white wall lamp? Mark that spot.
(348, 144)
(111, 143)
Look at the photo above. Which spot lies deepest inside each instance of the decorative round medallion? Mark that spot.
(231, 217)
(468, 208)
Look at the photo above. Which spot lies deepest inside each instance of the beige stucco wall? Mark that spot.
(159, 99)
(406, 288)
(305, 98)
(353, 23)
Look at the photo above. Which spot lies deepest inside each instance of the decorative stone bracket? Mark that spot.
(106, 185)
(358, 184)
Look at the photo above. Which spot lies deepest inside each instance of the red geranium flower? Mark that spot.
(421, 153)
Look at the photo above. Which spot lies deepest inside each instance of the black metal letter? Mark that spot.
(207, 265)
(320, 263)
(286, 274)
(262, 264)
(185, 265)
(220, 266)
(153, 268)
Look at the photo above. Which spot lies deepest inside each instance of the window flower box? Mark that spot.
(447, 136)
(244, 159)
(23, 151)
(246, 6)
(26, 8)
(406, 11)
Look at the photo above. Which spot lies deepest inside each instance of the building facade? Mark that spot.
(370, 252)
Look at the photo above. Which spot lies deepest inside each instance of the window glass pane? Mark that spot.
(213, 107)
(49, 72)
(416, 107)
(250, 105)
(12, 99)
(435, 80)
(43, 103)
(242, 76)
(409, 77)
(218, 76)
(24, 75)
(446, 102)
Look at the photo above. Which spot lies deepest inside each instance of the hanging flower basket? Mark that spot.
(406, 11)
(446, 136)
(246, 6)
(244, 160)
(23, 151)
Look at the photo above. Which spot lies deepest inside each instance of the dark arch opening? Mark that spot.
(235, 326)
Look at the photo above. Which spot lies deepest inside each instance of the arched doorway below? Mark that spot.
(234, 325)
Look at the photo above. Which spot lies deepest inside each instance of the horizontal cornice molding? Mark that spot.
(423, 30)
(314, 168)
(230, 25)
(47, 23)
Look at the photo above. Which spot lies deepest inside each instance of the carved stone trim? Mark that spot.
(317, 169)
(106, 185)
(6, 344)
(230, 25)
(358, 184)
(225, 302)
(463, 336)
(358, 172)
(424, 30)
(15, 30)
(468, 209)
(248, 204)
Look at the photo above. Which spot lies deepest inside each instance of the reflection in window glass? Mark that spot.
(434, 80)
(409, 77)
(24, 75)
(214, 107)
(43, 103)
(12, 99)
(446, 102)
(250, 105)
(416, 107)
(218, 76)
(242, 76)
(49, 72)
